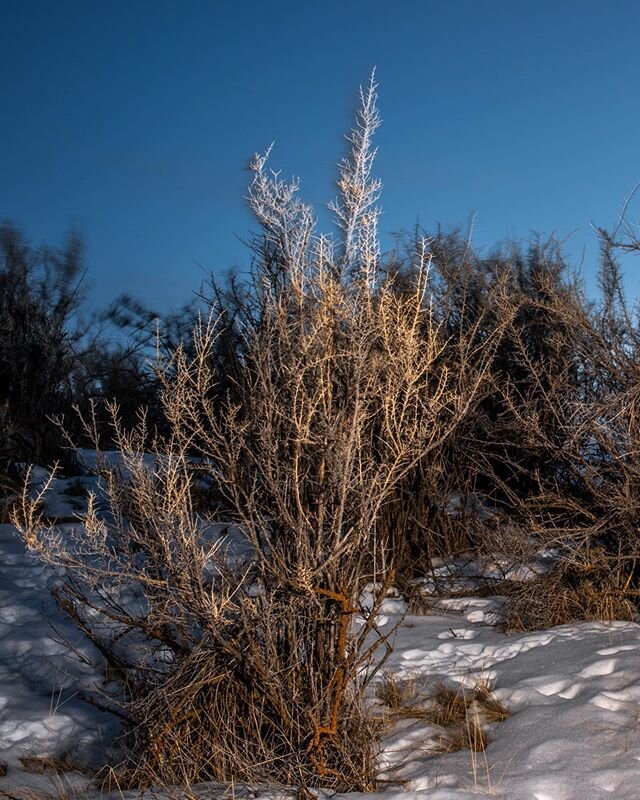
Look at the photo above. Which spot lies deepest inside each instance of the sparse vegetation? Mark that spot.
(463, 712)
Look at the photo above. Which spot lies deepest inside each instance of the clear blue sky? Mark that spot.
(134, 121)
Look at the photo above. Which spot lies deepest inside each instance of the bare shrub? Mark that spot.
(581, 586)
(550, 448)
(512, 315)
(586, 505)
(248, 662)
(40, 291)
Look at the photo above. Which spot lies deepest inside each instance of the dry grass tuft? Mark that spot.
(463, 712)
(450, 705)
(578, 588)
(397, 693)
(468, 736)
(492, 709)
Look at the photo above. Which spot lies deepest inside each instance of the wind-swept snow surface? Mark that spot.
(573, 693)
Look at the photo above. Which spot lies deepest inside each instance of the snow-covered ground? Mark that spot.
(573, 693)
(574, 697)
(41, 713)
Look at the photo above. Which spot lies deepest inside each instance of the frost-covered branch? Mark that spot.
(287, 222)
(355, 209)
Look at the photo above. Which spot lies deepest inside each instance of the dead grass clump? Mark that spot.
(463, 712)
(469, 736)
(492, 708)
(580, 587)
(450, 705)
(39, 765)
(395, 692)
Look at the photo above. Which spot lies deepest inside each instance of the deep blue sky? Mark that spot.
(134, 121)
